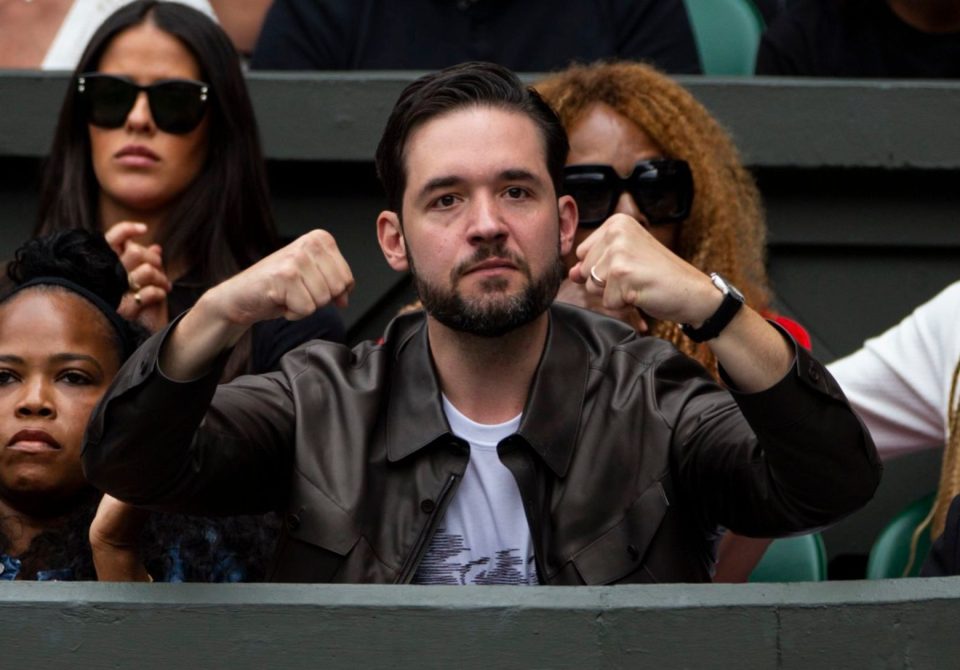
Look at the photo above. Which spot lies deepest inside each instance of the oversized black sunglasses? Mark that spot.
(177, 105)
(662, 189)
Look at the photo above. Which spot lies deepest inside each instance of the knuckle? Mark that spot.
(287, 272)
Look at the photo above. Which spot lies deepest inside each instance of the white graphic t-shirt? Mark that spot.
(484, 537)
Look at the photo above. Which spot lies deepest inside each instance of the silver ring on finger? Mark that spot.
(137, 299)
(596, 280)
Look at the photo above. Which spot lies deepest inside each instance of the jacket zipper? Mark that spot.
(420, 547)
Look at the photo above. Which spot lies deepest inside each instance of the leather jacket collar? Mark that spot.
(415, 419)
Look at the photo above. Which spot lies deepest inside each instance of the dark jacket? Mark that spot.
(627, 459)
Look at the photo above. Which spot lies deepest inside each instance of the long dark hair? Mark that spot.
(222, 222)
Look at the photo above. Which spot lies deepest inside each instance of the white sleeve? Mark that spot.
(81, 22)
(899, 382)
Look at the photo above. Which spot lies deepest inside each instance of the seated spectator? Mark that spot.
(496, 436)
(61, 343)
(157, 147)
(51, 34)
(864, 39)
(903, 384)
(695, 197)
(525, 35)
(621, 115)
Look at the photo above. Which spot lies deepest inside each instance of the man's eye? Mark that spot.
(445, 201)
(6, 377)
(516, 192)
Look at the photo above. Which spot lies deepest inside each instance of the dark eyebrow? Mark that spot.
(516, 174)
(57, 358)
(70, 358)
(440, 182)
(519, 175)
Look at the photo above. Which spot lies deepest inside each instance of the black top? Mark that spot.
(854, 38)
(524, 35)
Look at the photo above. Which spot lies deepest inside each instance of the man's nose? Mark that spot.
(486, 220)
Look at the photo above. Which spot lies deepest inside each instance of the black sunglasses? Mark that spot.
(177, 105)
(662, 189)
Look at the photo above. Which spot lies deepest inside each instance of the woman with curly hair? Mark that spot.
(624, 114)
(641, 145)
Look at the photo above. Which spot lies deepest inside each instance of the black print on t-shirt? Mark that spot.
(440, 565)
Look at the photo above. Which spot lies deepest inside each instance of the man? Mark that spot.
(524, 35)
(497, 438)
(888, 39)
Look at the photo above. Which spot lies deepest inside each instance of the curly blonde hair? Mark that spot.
(725, 232)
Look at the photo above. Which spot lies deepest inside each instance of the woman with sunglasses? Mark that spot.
(157, 147)
(641, 145)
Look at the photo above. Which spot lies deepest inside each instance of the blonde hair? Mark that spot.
(725, 232)
(949, 486)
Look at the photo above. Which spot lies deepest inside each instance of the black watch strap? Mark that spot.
(713, 326)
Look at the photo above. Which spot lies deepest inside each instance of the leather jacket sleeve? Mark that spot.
(809, 461)
(143, 445)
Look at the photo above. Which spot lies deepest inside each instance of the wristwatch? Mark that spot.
(732, 302)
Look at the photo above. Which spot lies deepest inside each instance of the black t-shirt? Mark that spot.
(524, 35)
(854, 38)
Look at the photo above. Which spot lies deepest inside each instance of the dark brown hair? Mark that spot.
(465, 85)
(222, 222)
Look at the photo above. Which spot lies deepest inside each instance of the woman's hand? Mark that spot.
(114, 540)
(146, 301)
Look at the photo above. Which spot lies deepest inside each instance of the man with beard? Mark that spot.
(495, 438)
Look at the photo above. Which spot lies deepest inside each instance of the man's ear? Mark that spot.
(392, 243)
(567, 208)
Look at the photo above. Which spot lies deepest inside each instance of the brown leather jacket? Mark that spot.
(628, 455)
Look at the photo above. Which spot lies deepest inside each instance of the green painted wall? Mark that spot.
(849, 625)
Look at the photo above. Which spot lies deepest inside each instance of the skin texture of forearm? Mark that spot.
(114, 542)
(196, 342)
(754, 355)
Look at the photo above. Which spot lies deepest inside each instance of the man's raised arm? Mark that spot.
(627, 266)
(152, 440)
(293, 282)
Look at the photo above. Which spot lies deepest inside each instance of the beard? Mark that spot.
(494, 313)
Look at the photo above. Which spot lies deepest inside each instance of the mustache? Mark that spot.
(484, 252)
